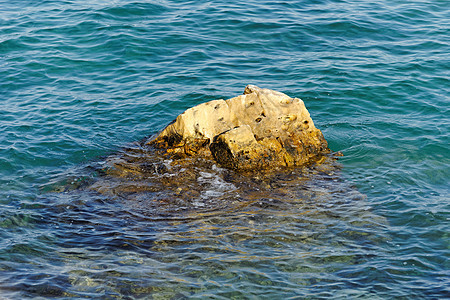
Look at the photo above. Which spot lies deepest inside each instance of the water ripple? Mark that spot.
(82, 81)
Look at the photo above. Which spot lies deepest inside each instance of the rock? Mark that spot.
(259, 129)
(193, 130)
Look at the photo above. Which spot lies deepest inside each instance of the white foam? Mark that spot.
(215, 186)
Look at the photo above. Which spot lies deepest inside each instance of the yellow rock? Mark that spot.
(259, 129)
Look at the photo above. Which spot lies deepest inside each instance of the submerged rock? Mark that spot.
(260, 129)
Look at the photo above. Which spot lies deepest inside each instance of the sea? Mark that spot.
(84, 82)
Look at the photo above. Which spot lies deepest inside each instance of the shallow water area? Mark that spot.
(189, 227)
(86, 212)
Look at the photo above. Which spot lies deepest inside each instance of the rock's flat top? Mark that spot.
(259, 129)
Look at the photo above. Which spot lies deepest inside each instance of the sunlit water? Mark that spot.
(87, 211)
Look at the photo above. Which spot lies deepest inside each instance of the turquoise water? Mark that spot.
(82, 81)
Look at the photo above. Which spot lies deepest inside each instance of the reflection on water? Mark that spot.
(137, 225)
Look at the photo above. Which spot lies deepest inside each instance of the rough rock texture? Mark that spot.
(259, 129)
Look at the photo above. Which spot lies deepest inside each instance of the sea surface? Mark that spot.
(83, 83)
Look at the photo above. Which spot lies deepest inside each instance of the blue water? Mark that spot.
(83, 82)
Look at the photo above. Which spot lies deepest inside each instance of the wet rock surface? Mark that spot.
(260, 129)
